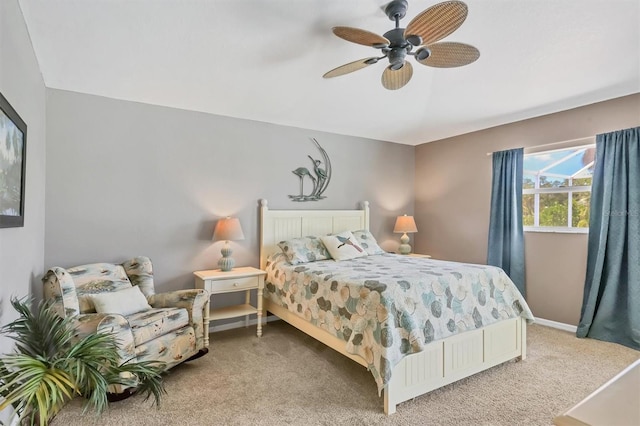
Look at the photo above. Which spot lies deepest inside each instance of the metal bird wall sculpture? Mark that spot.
(322, 171)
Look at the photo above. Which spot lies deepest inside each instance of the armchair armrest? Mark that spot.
(196, 302)
(114, 324)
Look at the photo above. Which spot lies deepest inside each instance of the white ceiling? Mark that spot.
(264, 59)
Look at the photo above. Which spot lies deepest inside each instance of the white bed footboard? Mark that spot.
(454, 358)
(442, 362)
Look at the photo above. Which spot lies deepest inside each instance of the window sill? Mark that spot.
(556, 230)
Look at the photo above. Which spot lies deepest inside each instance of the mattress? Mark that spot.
(388, 306)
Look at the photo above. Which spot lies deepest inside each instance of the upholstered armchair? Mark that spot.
(120, 299)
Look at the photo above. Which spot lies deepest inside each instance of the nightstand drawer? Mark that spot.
(231, 284)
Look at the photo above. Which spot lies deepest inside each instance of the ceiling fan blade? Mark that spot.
(449, 54)
(350, 67)
(359, 36)
(395, 79)
(438, 21)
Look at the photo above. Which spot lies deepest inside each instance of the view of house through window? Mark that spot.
(557, 189)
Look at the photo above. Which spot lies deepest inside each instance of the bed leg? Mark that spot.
(389, 408)
(523, 340)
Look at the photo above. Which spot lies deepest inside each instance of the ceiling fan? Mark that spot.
(423, 33)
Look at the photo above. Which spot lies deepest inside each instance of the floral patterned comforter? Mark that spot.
(388, 306)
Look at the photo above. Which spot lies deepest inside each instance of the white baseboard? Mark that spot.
(239, 324)
(555, 324)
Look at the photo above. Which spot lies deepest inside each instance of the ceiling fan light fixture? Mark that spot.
(397, 55)
(415, 40)
(422, 53)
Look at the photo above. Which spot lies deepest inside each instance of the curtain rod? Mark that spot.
(552, 144)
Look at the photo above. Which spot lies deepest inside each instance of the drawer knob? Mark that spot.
(235, 284)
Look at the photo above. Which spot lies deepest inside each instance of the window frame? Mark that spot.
(536, 191)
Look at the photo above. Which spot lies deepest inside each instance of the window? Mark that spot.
(556, 189)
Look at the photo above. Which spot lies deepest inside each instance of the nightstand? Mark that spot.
(238, 279)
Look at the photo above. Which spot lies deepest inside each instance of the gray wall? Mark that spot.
(22, 249)
(127, 179)
(453, 190)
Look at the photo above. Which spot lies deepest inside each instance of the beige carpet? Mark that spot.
(286, 378)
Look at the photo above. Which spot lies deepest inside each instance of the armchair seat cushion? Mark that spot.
(156, 322)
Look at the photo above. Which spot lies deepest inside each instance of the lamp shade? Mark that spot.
(405, 224)
(228, 229)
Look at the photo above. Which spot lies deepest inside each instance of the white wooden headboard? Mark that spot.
(279, 225)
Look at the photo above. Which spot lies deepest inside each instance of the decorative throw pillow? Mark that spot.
(343, 246)
(124, 302)
(368, 242)
(303, 250)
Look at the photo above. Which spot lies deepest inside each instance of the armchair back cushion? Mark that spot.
(96, 279)
(71, 288)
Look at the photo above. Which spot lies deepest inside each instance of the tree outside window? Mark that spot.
(556, 189)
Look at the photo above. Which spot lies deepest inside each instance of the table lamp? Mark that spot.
(227, 229)
(405, 224)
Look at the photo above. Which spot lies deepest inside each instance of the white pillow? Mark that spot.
(124, 302)
(343, 246)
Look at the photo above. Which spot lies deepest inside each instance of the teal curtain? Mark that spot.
(506, 237)
(611, 301)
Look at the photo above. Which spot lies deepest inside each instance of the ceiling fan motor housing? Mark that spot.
(398, 47)
(396, 38)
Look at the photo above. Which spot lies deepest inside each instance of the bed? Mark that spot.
(379, 325)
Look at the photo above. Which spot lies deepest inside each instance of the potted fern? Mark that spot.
(50, 365)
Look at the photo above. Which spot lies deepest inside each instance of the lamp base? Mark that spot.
(404, 248)
(226, 262)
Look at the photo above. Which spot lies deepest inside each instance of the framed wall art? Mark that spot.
(13, 163)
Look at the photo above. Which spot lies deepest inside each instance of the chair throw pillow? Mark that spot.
(343, 246)
(124, 302)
